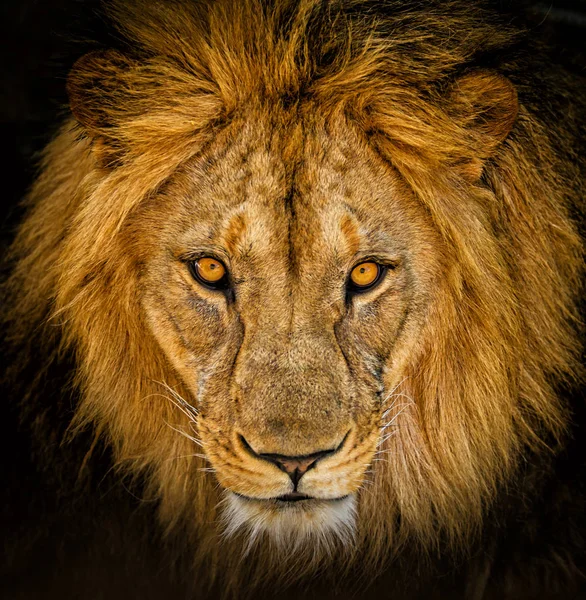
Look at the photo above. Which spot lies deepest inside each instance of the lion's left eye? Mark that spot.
(210, 273)
(365, 276)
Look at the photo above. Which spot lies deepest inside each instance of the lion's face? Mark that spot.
(290, 366)
(401, 405)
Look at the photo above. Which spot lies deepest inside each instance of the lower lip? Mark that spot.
(294, 497)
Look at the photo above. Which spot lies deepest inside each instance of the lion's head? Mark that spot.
(317, 270)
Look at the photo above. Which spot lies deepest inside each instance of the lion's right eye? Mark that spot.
(210, 273)
(365, 276)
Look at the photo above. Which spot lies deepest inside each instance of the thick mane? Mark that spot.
(482, 387)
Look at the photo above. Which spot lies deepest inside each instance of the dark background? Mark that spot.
(40, 40)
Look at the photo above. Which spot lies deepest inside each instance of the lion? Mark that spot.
(295, 306)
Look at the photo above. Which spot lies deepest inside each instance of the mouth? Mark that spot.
(290, 498)
(293, 497)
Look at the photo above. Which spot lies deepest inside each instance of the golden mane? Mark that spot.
(501, 336)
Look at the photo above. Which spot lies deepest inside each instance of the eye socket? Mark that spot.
(209, 272)
(365, 276)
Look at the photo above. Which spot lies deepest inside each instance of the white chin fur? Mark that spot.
(291, 526)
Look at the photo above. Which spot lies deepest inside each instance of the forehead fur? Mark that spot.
(292, 50)
(382, 64)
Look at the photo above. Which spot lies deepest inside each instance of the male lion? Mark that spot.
(294, 306)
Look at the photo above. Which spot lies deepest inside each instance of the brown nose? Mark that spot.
(294, 466)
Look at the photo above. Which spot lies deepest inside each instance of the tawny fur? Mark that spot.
(470, 386)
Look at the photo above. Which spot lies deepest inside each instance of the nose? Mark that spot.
(294, 466)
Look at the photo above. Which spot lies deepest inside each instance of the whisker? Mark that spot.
(202, 456)
(207, 470)
(386, 437)
(393, 405)
(187, 414)
(395, 389)
(387, 425)
(179, 401)
(181, 432)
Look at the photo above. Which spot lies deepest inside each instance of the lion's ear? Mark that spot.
(98, 96)
(485, 106)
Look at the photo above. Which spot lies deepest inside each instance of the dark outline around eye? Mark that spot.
(221, 285)
(352, 288)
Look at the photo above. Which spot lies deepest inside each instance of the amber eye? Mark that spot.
(210, 272)
(365, 276)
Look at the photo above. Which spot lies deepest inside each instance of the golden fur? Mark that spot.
(293, 139)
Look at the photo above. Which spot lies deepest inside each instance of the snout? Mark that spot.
(328, 473)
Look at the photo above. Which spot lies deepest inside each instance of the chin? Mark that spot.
(291, 526)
